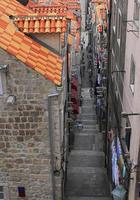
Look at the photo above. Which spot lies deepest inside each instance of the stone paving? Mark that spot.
(86, 175)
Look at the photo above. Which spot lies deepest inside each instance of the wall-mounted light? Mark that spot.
(4, 68)
(11, 99)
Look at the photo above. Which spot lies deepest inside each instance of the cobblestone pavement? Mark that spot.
(86, 174)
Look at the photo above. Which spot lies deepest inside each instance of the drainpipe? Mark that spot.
(50, 96)
(108, 85)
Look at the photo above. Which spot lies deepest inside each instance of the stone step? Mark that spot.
(84, 142)
(88, 198)
(89, 141)
(87, 181)
(89, 117)
(87, 101)
(87, 129)
(90, 108)
(86, 159)
(99, 139)
(85, 153)
(94, 133)
(87, 170)
(88, 122)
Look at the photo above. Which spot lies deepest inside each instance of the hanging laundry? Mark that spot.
(115, 169)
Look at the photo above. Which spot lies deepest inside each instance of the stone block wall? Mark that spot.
(24, 140)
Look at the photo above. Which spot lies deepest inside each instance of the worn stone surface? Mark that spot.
(86, 175)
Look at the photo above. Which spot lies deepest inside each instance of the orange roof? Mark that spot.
(99, 1)
(51, 10)
(13, 7)
(41, 24)
(71, 4)
(24, 48)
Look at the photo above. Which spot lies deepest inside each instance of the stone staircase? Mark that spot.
(86, 174)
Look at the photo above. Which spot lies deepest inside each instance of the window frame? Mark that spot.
(5, 191)
(132, 74)
(128, 134)
(1, 85)
(114, 14)
(2, 192)
(136, 16)
(119, 26)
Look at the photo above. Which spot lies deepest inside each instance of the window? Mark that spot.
(119, 27)
(136, 13)
(127, 137)
(113, 61)
(132, 74)
(114, 14)
(1, 192)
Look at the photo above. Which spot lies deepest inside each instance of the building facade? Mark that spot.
(31, 105)
(83, 13)
(131, 96)
(123, 110)
(116, 162)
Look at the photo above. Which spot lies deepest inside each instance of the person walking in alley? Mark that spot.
(81, 101)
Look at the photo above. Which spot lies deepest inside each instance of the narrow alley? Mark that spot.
(87, 176)
(69, 100)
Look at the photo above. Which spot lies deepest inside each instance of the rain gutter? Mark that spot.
(50, 129)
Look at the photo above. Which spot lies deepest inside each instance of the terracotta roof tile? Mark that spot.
(41, 24)
(24, 48)
(13, 7)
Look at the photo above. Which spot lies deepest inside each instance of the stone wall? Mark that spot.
(53, 40)
(24, 140)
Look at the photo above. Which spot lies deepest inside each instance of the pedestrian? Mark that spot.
(91, 92)
(81, 101)
(80, 125)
